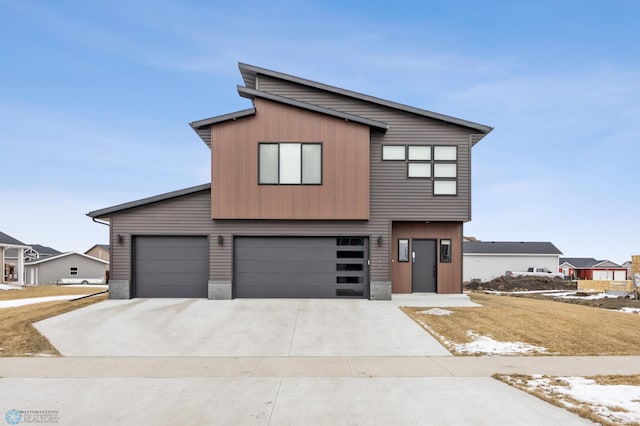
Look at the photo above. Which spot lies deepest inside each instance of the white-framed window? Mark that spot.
(290, 163)
(393, 152)
(73, 270)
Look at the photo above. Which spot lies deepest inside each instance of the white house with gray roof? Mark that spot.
(486, 260)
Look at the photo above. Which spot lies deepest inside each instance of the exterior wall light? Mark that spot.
(220, 240)
(380, 240)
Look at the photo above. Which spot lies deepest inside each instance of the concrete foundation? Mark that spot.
(380, 290)
(119, 289)
(219, 290)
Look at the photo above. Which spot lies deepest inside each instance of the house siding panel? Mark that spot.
(344, 193)
(392, 194)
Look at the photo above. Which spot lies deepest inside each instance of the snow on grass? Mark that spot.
(615, 403)
(21, 302)
(10, 287)
(435, 311)
(573, 295)
(486, 345)
(630, 310)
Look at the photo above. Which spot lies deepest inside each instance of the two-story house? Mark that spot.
(316, 191)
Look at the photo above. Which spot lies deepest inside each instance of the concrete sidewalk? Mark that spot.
(346, 367)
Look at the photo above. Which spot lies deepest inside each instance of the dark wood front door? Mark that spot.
(424, 267)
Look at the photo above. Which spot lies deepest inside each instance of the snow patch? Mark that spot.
(21, 302)
(630, 310)
(436, 311)
(617, 403)
(573, 295)
(10, 287)
(486, 345)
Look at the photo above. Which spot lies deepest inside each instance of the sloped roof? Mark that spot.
(249, 73)
(102, 246)
(588, 262)
(6, 239)
(104, 213)
(47, 251)
(509, 247)
(60, 256)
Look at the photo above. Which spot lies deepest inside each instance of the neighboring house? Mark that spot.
(12, 269)
(34, 252)
(588, 268)
(99, 251)
(486, 260)
(316, 191)
(65, 266)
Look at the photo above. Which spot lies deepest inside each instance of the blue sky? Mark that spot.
(96, 97)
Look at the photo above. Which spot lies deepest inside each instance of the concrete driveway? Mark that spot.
(236, 328)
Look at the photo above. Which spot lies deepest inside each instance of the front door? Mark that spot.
(424, 267)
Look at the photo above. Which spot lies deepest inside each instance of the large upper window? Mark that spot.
(290, 164)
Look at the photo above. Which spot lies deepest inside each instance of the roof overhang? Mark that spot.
(249, 75)
(201, 127)
(106, 212)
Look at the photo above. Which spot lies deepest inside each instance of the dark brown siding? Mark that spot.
(449, 274)
(344, 193)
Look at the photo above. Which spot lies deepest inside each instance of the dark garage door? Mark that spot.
(171, 266)
(318, 267)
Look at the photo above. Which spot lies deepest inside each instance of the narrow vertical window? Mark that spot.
(268, 163)
(403, 250)
(312, 163)
(290, 163)
(445, 251)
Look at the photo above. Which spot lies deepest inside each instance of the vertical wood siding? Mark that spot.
(344, 193)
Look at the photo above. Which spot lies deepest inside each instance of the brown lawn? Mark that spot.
(18, 337)
(46, 290)
(562, 328)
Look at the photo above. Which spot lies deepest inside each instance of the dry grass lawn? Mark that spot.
(46, 290)
(562, 328)
(18, 337)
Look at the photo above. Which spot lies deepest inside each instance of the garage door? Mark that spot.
(317, 267)
(170, 266)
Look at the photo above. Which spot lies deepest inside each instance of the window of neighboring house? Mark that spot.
(290, 163)
(445, 170)
(73, 270)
